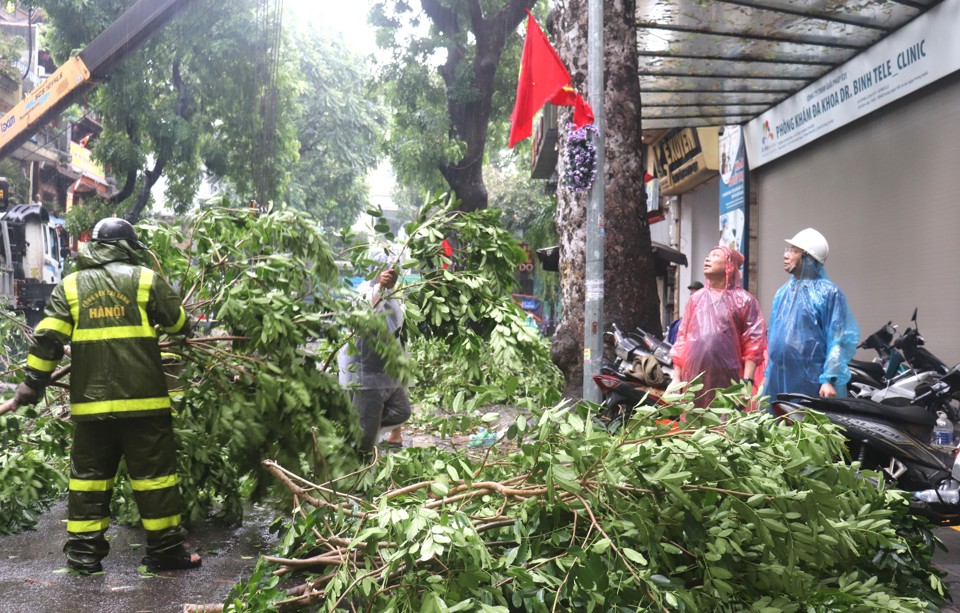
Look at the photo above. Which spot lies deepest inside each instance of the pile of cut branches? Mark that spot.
(33, 466)
(259, 377)
(695, 515)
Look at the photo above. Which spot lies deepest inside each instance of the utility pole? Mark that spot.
(593, 281)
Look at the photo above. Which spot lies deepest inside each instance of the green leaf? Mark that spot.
(634, 556)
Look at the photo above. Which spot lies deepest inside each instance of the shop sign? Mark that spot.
(83, 162)
(684, 158)
(914, 56)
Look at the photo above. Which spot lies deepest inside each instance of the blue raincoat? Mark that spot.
(812, 335)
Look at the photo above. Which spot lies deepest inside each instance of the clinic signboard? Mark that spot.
(918, 54)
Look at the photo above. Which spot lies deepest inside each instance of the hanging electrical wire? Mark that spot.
(270, 20)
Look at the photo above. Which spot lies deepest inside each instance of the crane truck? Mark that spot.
(32, 251)
(32, 241)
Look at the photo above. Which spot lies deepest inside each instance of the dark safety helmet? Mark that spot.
(113, 229)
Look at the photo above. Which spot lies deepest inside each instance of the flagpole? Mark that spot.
(593, 278)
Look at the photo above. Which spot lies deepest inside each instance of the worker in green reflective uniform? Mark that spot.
(109, 311)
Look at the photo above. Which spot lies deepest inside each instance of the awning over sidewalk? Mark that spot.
(725, 62)
(550, 256)
(668, 254)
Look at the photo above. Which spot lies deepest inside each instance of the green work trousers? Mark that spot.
(148, 445)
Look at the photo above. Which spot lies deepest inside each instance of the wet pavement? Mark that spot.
(949, 561)
(33, 576)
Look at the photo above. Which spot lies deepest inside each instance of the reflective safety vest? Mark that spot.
(108, 311)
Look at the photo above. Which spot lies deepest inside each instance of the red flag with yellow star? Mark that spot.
(543, 77)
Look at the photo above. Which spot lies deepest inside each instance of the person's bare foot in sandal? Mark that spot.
(394, 440)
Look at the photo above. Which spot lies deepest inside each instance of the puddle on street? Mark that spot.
(33, 575)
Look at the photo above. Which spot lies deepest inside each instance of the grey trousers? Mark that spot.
(380, 408)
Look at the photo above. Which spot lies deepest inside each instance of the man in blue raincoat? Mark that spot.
(812, 333)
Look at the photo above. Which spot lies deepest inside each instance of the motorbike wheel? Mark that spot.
(939, 514)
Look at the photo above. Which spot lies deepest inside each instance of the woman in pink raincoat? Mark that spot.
(723, 335)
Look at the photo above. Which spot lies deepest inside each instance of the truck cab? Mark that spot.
(31, 259)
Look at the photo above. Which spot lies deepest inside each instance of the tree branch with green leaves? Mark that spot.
(723, 511)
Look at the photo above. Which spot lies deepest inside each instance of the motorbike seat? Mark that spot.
(912, 414)
(872, 369)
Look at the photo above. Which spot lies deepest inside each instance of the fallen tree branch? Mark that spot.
(280, 474)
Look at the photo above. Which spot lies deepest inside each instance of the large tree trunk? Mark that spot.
(470, 114)
(152, 175)
(630, 290)
(150, 178)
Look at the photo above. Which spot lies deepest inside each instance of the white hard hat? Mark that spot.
(813, 243)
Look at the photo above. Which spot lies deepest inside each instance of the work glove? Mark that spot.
(26, 395)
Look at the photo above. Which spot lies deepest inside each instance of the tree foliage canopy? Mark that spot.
(340, 129)
(450, 81)
(11, 48)
(222, 95)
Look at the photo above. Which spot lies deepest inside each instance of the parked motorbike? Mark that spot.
(911, 346)
(903, 366)
(895, 440)
(866, 376)
(639, 374)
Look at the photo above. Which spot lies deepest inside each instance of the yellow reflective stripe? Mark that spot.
(176, 327)
(91, 485)
(156, 483)
(120, 406)
(105, 334)
(144, 330)
(57, 325)
(70, 291)
(42, 365)
(88, 525)
(143, 297)
(161, 523)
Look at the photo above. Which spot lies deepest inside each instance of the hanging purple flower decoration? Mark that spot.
(580, 158)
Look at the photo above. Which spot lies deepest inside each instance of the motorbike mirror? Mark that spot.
(914, 317)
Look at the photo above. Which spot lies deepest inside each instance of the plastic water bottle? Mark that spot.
(483, 438)
(943, 431)
(948, 496)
